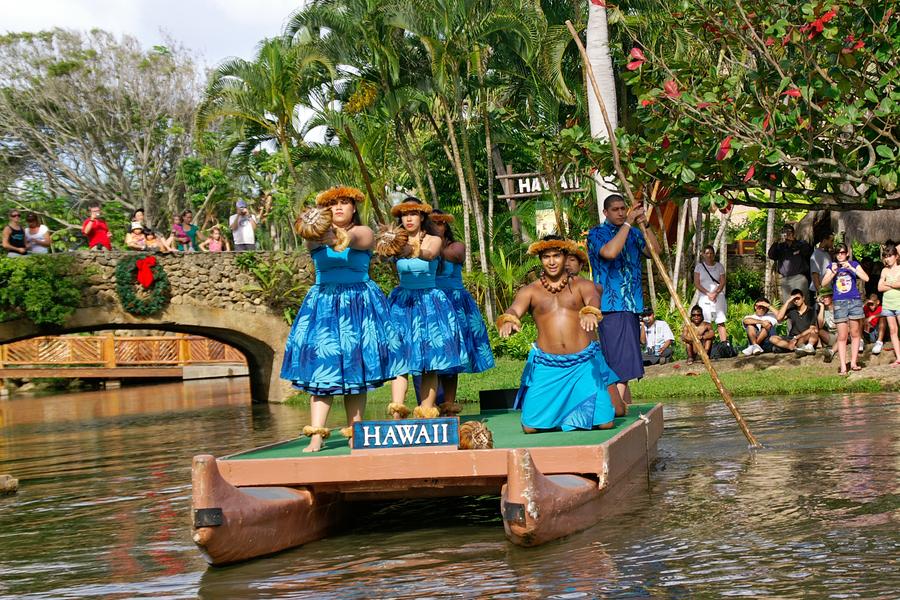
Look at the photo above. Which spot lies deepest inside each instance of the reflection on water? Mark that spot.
(105, 496)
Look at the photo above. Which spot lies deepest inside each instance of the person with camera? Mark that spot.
(243, 228)
(844, 274)
(803, 334)
(657, 339)
(95, 229)
(791, 257)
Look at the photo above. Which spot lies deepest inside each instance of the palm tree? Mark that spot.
(260, 98)
(601, 62)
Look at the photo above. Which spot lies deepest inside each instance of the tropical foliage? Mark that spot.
(44, 289)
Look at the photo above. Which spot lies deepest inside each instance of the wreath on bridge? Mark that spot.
(142, 284)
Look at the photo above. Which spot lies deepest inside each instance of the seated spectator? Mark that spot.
(178, 239)
(703, 330)
(37, 236)
(96, 230)
(156, 244)
(657, 339)
(134, 239)
(803, 334)
(825, 323)
(759, 328)
(873, 326)
(215, 242)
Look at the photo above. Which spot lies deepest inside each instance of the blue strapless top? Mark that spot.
(349, 266)
(417, 274)
(449, 276)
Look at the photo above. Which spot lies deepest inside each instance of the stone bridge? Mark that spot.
(208, 298)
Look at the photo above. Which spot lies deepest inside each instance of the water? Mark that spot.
(103, 509)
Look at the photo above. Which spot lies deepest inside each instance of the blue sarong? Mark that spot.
(566, 391)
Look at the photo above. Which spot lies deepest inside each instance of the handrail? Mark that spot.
(113, 351)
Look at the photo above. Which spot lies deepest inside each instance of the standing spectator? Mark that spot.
(889, 284)
(803, 334)
(243, 228)
(14, 236)
(95, 229)
(704, 334)
(791, 258)
(825, 323)
(657, 338)
(759, 328)
(37, 236)
(190, 230)
(873, 325)
(709, 281)
(215, 242)
(843, 274)
(819, 260)
(616, 251)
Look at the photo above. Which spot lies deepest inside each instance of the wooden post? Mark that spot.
(184, 350)
(726, 395)
(108, 351)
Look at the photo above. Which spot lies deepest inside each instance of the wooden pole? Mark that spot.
(726, 395)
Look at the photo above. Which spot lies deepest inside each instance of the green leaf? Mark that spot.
(687, 175)
(884, 151)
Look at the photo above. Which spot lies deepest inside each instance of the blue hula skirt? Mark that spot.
(342, 341)
(427, 327)
(477, 354)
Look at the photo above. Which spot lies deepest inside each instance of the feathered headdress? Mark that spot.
(332, 195)
(564, 246)
(410, 207)
(581, 255)
(441, 218)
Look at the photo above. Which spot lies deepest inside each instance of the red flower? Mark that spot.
(645, 103)
(724, 149)
(665, 143)
(765, 124)
(599, 3)
(770, 41)
(792, 92)
(703, 105)
(671, 89)
(750, 172)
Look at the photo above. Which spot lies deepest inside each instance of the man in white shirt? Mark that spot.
(657, 339)
(759, 326)
(243, 228)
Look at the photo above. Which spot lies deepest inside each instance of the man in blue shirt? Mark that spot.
(616, 249)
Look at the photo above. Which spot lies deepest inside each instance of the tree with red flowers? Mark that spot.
(797, 98)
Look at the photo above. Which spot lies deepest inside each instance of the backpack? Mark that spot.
(722, 350)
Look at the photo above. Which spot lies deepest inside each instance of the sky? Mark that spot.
(212, 29)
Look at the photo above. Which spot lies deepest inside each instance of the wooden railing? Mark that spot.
(111, 351)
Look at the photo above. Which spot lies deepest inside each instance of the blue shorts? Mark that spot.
(887, 312)
(847, 310)
(620, 339)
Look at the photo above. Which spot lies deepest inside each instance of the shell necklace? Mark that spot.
(554, 288)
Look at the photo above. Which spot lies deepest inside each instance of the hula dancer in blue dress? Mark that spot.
(477, 346)
(423, 316)
(564, 384)
(342, 341)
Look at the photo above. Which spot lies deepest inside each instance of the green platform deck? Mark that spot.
(504, 425)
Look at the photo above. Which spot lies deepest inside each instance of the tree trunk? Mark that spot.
(502, 169)
(722, 238)
(463, 192)
(489, 155)
(597, 48)
(376, 205)
(770, 239)
(406, 156)
(679, 247)
(651, 284)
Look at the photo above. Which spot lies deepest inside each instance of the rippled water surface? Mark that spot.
(104, 504)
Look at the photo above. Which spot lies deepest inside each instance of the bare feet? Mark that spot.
(315, 443)
(855, 368)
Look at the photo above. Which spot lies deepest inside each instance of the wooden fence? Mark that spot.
(111, 352)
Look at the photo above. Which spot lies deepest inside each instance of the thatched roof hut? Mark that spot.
(864, 226)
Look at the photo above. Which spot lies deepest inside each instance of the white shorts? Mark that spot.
(714, 312)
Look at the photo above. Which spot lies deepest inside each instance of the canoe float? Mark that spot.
(551, 484)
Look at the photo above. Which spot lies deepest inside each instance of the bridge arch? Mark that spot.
(209, 298)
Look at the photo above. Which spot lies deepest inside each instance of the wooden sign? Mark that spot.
(530, 185)
(440, 434)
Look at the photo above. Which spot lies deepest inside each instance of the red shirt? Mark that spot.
(872, 315)
(98, 235)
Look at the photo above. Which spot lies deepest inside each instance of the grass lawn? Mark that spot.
(771, 382)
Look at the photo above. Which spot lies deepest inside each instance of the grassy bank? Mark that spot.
(771, 382)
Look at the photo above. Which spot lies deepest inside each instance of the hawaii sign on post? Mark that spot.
(420, 434)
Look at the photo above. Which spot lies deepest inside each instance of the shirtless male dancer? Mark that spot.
(564, 384)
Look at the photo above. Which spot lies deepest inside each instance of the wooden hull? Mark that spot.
(540, 508)
(251, 507)
(232, 524)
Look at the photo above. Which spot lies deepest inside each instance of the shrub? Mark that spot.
(43, 289)
(517, 345)
(744, 285)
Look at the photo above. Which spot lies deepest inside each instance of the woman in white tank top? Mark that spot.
(37, 236)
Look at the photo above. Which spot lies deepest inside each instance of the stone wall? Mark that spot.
(211, 280)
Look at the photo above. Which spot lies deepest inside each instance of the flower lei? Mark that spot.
(142, 285)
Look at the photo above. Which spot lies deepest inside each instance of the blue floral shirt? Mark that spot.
(620, 277)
